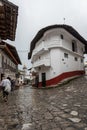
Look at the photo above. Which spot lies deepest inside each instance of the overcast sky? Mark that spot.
(33, 15)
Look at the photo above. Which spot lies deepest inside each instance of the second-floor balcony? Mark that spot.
(39, 49)
(43, 47)
(42, 62)
(8, 67)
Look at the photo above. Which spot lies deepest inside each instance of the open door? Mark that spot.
(43, 79)
(37, 81)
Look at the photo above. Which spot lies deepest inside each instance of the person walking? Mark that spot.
(6, 88)
(12, 85)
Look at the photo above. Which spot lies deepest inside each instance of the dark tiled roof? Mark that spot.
(68, 28)
(13, 51)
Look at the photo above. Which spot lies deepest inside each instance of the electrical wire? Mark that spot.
(23, 51)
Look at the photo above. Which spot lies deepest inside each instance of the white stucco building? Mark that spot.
(56, 54)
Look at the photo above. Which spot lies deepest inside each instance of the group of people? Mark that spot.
(6, 86)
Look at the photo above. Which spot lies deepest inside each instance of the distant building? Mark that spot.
(56, 54)
(24, 76)
(9, 60)
(85, 60)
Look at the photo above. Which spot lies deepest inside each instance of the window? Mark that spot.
(6, 61)
(74, 46)
(81, 60)
(3, 61)
(39, 68)
(65, 55)
(61, 36)
(76, 59)
(82, 50)
(39, 57)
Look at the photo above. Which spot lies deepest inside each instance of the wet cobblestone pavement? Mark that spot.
(61, 108)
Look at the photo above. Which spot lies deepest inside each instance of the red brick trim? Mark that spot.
(61, 77)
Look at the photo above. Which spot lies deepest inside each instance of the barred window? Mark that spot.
(65, 55)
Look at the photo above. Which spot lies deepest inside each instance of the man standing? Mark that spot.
(6, 88)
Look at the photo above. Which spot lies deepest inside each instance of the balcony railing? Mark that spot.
(8, 67)
(39, 49)
(55, 43)
(42, 62)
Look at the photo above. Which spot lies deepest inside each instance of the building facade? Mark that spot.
(57, 54)
(8, 20)
(9, 60)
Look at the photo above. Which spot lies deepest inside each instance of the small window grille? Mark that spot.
(65, 55)
(76, 59)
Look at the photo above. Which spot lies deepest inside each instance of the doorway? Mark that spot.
(43, 79)
(1, 76)
(37, 81)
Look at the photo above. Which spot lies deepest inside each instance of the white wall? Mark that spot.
(56, 49)
(67, 43)
(69, 64)
(54, 69)
(55, 62)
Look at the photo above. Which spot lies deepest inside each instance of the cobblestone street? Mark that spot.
(61, 108)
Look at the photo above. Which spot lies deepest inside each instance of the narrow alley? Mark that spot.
(61, 108)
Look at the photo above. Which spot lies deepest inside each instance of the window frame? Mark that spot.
(74, 46)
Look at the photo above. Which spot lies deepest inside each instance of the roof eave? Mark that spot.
(68, 28)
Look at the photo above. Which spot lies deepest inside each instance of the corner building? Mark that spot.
(56, 54)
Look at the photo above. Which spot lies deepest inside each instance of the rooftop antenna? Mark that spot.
(64, 20)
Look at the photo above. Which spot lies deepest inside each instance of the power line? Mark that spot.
(23, 51)
(64, 20)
